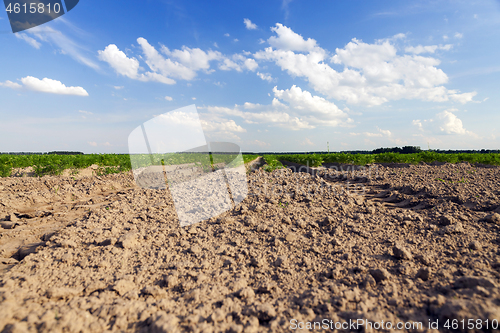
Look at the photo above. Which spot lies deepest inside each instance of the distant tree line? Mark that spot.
(403, 150)
(414, 149)
(49, 153)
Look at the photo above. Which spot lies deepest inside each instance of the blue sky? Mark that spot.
(285, 75)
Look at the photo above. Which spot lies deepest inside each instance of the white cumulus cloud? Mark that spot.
(462, 98)
(129, 67)
(288, 40)
(249, 25)
(450, 123)
(10, 84)
(194, 59)
(50, 86)
(223, 126)
(265, 76)
(167, 65)
(372, 74)
(292, 109)
(427, 49)
(418, 123)
(238, 62)
(117, 59)
(445, 122)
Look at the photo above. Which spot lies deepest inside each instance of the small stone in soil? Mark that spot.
(424, 273)
(401, 252)
(380, 274)
(493, 218)
(446, 220)
(475, 245)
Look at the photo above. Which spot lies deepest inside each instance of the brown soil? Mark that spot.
(393, 243)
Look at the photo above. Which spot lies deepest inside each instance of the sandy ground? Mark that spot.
(399, 244)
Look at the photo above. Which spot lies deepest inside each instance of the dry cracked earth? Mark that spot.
(400, 244)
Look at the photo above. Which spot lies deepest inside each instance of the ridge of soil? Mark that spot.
(416, 243)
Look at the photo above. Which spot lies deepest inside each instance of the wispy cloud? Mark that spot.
(260, 143)
(427, 49)
(63, 42)
(381, 133)
(285, 7)
(307, 142)
(31, 41)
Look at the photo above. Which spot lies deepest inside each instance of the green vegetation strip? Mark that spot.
(56, 164)
(247, 158)
(315, 160)
(272, 162)
(115, 163)
(108, 163)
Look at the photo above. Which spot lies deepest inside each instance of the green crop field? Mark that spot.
(56, 164)
(249, 158)
(51, 164)
(272, 162)
(315, 160)
(114, 163)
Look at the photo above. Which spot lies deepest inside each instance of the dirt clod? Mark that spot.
(424, 273)
(446, 220)
(380, 274)
(474, 281)
(402, 252)
(128, 240)
(475, 245)
(493, 218)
